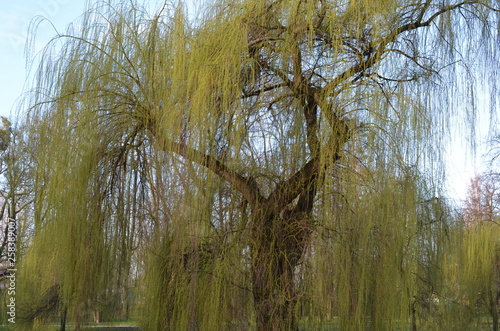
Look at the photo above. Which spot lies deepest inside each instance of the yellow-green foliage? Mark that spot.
(472, 274)
(364, 257)
(479, 277)
(69, 226)
(481, 245)
(181, 158)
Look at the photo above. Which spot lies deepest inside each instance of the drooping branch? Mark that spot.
(377, 53)
(449, 8)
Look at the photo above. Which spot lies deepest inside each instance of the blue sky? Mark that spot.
(15, 19)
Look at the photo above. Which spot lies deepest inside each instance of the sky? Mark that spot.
(15, 20)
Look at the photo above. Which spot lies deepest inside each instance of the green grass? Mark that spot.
(112, 328)
(107, 327)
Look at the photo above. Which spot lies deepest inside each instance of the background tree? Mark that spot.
(236, 144)
(16, 201)
(480, 281)
(483, 199)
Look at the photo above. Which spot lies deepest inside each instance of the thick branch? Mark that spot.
(246, 186)
(310, 113)
(261, 90)
(259, 40)
(305, 179)
(286, 191)
(424, 9)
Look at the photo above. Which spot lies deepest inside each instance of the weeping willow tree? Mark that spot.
(245, 163)
(478, 282)
(477, 253)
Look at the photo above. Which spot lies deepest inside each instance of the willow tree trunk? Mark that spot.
(275, 254)
(493, 303)
(63, 320)
(282, 227)
(279, 241)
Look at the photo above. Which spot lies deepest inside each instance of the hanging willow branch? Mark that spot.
(279, 144)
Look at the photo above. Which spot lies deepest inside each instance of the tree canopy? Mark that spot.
(266, 164)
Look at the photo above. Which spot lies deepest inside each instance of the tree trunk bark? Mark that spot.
(414, 316)
(63, 320)
(494, 312)
(278, 244)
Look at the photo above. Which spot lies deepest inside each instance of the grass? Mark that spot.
(116, 326)
(111, 328)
